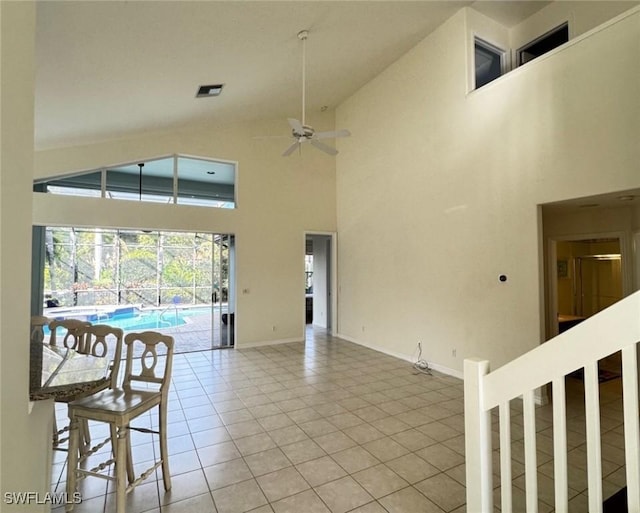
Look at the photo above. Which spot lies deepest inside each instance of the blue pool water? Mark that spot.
(145, 320)
(134, 319)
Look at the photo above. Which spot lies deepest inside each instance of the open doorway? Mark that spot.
(587, 279)
(319, 309)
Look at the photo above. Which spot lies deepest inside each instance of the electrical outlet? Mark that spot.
(454, 352)
(274, 328)
(362, 329)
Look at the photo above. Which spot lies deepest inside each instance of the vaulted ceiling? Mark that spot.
(114, 68)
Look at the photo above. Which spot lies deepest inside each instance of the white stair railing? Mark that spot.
(615, 329)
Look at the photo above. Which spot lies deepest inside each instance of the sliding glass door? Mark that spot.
(178, 283)
(223, 318)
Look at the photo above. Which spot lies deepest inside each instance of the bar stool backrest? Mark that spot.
(38, 322)
(74, 336)
(148, 370)
(105, 341)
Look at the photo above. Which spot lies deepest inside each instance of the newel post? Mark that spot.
(477, 424)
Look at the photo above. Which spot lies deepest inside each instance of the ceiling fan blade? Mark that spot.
(290, 149)
(296, 126)
(323, 147)
(330, 135)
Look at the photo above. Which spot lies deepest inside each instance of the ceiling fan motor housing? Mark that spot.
(306, 133)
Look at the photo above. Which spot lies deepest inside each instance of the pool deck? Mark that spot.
(196, 333)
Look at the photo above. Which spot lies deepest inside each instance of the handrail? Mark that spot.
(593, 339)
(614, 329)
(164, 311)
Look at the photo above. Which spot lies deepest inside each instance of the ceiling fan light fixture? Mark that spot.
(207, 91)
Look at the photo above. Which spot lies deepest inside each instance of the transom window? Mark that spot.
(543, 44)
(489, 62)
(177, 179)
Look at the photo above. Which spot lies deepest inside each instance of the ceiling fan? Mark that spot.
(300, 131)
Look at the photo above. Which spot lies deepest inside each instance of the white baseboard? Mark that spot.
(263, 343)
(407, 358)
(447, 370)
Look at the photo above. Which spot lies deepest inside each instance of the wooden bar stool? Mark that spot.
(100, 340)
(118, 407)
(72, 338)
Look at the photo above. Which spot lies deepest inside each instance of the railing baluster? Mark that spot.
(631, 425)
(505, 458)
(560, 446)
(594, 449)
(477, 424)
(530, 457)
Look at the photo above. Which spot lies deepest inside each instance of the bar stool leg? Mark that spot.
(121, 468)
(164, 453)
(55, 436)
(72, 461)
(85, 444)
(130, 473)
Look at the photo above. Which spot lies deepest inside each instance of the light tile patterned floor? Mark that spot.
(328, 426)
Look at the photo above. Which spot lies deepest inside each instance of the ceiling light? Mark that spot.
(206, 91)
(626, 197)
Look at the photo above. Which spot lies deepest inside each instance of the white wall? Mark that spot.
(25, 436)
(278, 200)
(438, 190)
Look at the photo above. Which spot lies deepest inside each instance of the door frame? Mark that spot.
(552, 275)
(230, 327)
(333, 277)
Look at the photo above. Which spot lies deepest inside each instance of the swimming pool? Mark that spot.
(145, 320)
(133, 318)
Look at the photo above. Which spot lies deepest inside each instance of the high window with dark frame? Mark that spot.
(543, 44)
(489, 62)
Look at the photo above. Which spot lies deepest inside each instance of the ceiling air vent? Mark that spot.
(206, 91)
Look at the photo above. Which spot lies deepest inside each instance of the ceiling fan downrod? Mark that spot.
(303, 35)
